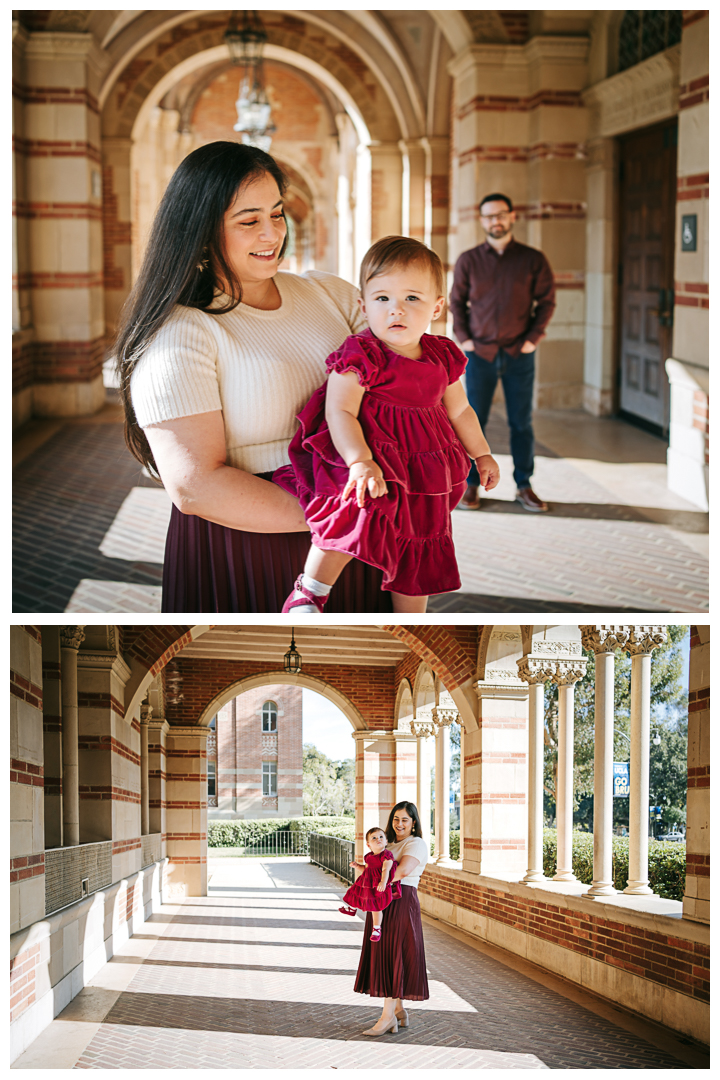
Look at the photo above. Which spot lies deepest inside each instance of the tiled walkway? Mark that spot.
(89, 527)
(259, 975)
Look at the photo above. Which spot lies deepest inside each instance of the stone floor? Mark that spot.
(259, 975)
(89, 527)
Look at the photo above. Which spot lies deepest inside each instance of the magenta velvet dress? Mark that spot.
(363, 894)
(407, 533)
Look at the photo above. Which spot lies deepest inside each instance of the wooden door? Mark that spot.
(647, 254)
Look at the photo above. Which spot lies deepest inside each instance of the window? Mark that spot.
(213, 723)
(269, 716)
(645, 33)
(269, 775)
(211, 778)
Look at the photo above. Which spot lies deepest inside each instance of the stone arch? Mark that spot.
(404, 710)
(149, 653)
(267, 678)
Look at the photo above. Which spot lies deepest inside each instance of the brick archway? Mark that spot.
(267, 678)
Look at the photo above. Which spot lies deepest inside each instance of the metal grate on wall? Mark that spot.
(645, 33)
(67, 868)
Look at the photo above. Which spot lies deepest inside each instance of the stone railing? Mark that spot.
(151, 848)
(67, 868)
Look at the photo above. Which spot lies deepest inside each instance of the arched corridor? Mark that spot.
(259, 974)
(106, 730)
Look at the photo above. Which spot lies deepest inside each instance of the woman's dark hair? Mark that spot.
(185, 261)
(413, 813)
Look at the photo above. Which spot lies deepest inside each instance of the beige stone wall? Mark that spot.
(27, 841)
(528, 141)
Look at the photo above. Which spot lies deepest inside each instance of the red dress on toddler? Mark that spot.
(407, 533)
(364, 895)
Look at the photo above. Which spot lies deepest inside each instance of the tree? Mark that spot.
(668, 712)
(328, 786)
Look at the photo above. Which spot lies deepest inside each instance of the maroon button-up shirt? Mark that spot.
(501, 301)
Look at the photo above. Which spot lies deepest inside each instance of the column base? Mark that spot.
(444, 860)
(565, 875)
(534, 875)
(602, 888)
(638, 888)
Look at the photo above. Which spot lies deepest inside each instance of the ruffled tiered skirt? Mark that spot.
(407, 533)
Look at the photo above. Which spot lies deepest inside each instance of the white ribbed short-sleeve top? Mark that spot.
(415, 846)
(259, 367)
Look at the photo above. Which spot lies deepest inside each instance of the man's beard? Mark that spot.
(498, 235)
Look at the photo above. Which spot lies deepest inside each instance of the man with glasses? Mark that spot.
(502, 299)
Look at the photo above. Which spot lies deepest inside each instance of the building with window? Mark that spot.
(255, 755)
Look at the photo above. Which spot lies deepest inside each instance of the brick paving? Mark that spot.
(89, 531)
(259, 975)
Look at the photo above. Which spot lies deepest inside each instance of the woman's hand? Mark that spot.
(488, 470)
(406, 867)
(365, 478)
(190, 456)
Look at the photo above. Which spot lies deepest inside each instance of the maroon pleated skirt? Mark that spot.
(394, 967)
(211, 568)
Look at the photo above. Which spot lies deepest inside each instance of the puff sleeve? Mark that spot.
(360, 354)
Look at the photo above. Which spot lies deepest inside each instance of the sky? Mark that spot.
(326, 727)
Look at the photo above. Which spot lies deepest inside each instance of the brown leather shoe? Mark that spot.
(529, 500)
(471, 499)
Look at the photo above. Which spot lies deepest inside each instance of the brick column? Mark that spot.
(157, 775)
(386, 180)
(405, 767)
(187, 811)
(642, 641)
(71, 638)
(414, 188)
(52, 736)
(696, 901)
(27, 842)
(374, 781)
(145, 718)
(495, 778)
(109, 755)
(601, 179)
(58, 80)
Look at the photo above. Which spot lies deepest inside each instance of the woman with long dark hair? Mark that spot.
(216, 352)
(394, 967)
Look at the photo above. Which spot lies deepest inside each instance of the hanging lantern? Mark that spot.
(245, 45)
(293, 660)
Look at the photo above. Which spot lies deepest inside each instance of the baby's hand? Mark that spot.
(489, 471)
(358, 864)
(365, 477)
(381, 886)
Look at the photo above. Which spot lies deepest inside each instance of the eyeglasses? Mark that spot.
(496, 217)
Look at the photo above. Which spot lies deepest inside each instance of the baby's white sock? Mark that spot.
(311, 585)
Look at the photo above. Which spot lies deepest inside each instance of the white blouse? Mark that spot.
(415, 846)
(259, 367)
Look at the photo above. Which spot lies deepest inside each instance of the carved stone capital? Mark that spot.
(643, 639)
(422, 729)
(445, 717)
(604, 639)
(568, 672)
(72, 637)
(146, 712)
(536, 669)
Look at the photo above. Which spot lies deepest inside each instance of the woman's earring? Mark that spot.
(204, 262)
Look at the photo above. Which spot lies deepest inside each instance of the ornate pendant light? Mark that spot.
(245, 45)
(293, 660)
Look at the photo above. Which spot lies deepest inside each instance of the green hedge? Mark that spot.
(454, 844)
(666, 862)
(241, 832)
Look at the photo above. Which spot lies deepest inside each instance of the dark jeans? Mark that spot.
(518, 375)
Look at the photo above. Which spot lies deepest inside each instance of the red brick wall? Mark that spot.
(191, 684)
(451, 651)
(668, 961)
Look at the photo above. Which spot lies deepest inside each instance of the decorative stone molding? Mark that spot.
(146, 712)
(535, 669)
(556, 648)
(422, 729)
(643, 639)
(642, 95)
(72, 637)
(604, 639)
(568, 672)
(445, 717)
(104, 661)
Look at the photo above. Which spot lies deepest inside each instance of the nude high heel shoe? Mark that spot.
(402, 1018)
(389, 1025)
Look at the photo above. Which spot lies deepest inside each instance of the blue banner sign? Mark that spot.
(621, 779)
